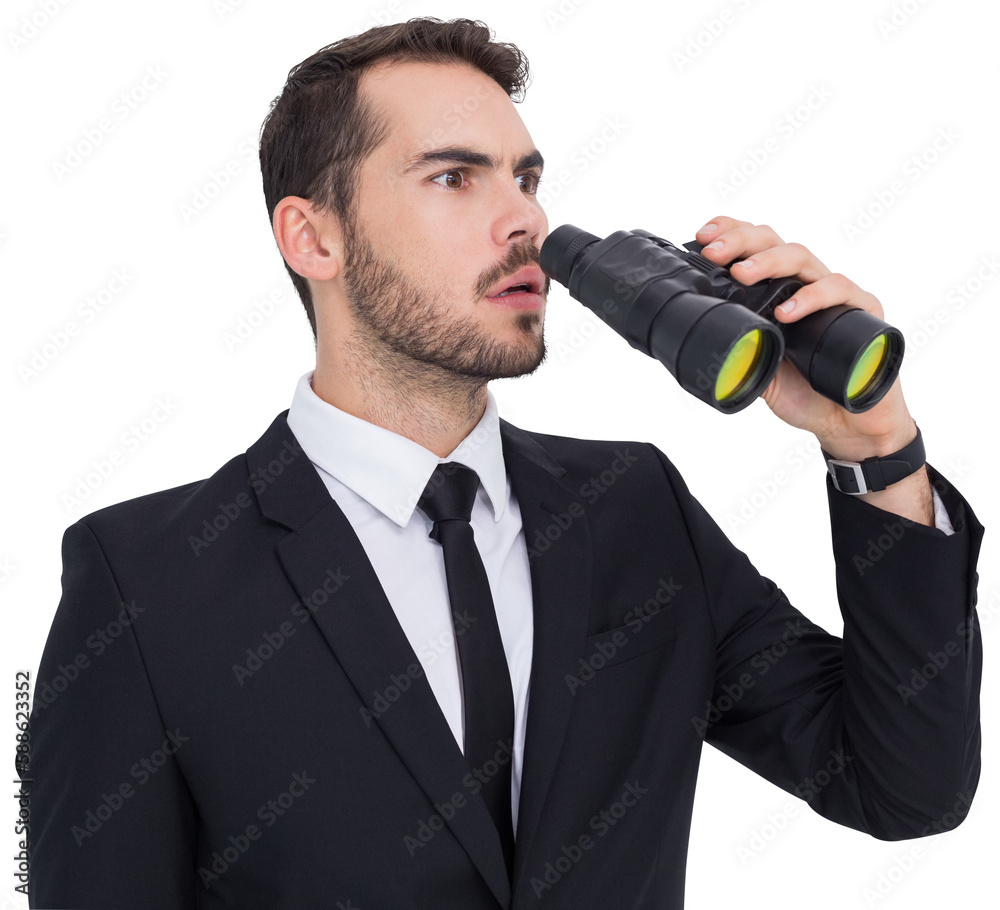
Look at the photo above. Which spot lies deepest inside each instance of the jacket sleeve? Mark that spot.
(112, 822)
(879, 730)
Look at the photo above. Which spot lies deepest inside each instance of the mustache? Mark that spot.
(516, 259)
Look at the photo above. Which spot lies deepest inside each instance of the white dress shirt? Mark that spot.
(376, 477)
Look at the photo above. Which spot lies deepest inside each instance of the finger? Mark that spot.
(741, 242)
(830, 290)
(787, 259)
(718, 225)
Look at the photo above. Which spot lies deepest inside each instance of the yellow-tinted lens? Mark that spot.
(739, 366)
(868, 367)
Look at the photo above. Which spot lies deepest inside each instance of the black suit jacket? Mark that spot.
(228, 715)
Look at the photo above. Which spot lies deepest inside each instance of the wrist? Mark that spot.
(862, 446)
(910, 498)
(874, 473)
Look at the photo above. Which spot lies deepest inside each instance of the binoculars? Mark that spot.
(719, 338)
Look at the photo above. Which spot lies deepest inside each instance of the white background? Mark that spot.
(697, 90)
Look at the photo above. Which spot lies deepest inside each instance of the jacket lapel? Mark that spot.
(361, 628)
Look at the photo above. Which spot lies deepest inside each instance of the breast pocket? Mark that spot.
(640, 636)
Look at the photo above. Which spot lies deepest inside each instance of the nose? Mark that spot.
(520, 216)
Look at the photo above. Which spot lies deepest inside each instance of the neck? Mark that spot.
(434, 407)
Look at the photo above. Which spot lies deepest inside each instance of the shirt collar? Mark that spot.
(385, 469)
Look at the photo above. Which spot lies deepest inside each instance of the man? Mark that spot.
(281, 714)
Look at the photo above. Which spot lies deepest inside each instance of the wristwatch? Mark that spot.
(876, 473)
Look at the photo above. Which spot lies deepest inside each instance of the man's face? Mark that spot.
(446, 217)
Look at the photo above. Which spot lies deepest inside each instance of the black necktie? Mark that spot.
(487, 696)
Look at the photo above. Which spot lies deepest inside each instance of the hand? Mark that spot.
(883, 429)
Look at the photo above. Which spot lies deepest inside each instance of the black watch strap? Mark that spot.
(876, 473)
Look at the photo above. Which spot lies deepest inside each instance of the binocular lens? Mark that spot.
(868, 369)
(740, 367)
(846, 354)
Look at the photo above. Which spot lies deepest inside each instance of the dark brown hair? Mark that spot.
(318, 131)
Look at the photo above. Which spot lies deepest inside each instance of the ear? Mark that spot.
(309, 241)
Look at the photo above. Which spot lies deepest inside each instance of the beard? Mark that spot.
(395, 313)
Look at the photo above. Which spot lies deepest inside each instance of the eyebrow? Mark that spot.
(470, 158)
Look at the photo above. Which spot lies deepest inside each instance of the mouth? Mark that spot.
(517, 288)
(520, 289)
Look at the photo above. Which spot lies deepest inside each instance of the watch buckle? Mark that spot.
(845, 474)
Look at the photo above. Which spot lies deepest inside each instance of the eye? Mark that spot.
(453, 180)
(531, 187)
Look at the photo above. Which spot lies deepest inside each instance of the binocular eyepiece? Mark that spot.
(719, 338)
